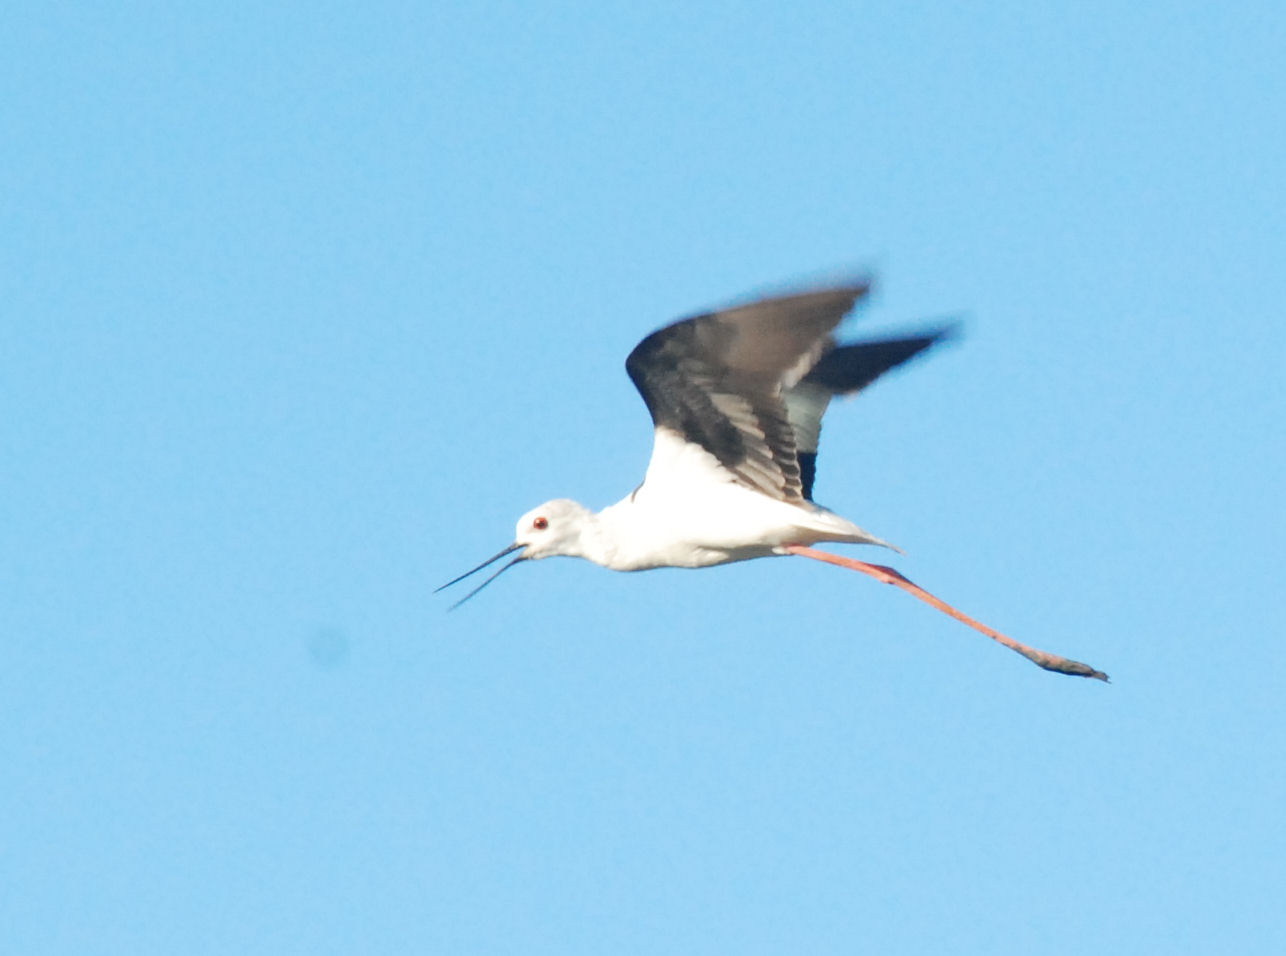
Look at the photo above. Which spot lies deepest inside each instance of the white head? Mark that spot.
(556, 527)
(552, 529)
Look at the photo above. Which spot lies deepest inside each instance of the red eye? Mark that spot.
(540, 524)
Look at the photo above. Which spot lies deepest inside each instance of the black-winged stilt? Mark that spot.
(737, 397)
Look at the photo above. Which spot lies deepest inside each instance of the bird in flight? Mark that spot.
(737, 398)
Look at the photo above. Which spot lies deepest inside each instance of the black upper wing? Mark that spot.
(843, 370)
(717, 379)
(850, 368)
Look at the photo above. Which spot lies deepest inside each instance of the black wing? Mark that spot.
(850, 368)
(844, 370)
(717, 380)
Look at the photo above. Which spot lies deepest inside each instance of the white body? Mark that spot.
(688, 513)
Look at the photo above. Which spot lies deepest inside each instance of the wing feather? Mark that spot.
(719, 378)
(844, 370)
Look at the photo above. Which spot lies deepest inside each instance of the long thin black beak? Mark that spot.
(491, 560)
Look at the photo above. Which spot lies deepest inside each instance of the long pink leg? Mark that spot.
(1051, 662)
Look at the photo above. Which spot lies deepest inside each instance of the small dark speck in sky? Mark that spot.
(328, 647)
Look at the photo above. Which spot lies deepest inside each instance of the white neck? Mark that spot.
(600, 535)
(627, 536)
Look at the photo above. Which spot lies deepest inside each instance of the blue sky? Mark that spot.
(304, 306)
